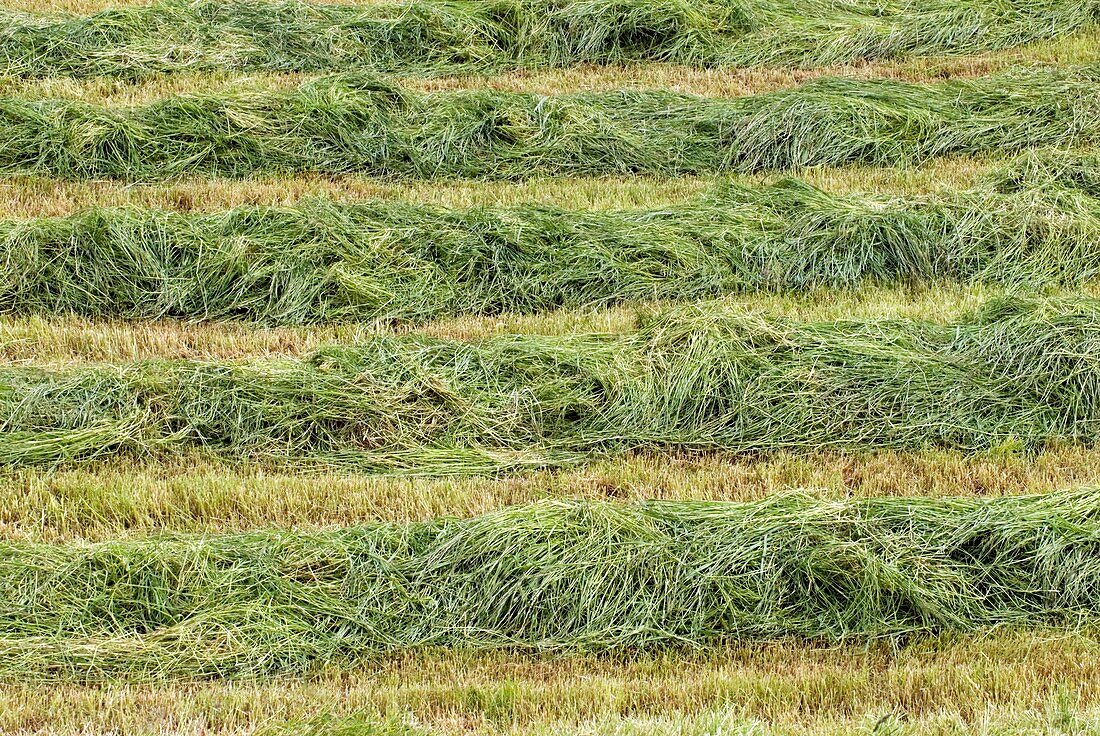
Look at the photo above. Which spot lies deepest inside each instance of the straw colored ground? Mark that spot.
(33, 196)
(125, 499)
(1005, 683)
(60, 340)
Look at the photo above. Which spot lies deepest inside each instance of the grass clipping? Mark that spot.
(1018, 374)
(1033, 224)
(473, 35)
(350, 123)
(569, 576)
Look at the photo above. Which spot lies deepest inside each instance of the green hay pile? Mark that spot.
(553, 576)
(478, 35)
(324, 261)
(1018, 374)
(349, 124)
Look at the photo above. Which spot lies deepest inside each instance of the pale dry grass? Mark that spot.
(128, 498)
(61, 340)
(58, 341)
(25, 197)
(1006, 677)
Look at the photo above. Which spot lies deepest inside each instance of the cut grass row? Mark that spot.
(555, 576)
(351, 124)
(1016, 374)
(430, 37)
(121, 498)
(1077, 49)
(1035, 224)
(1006, 678)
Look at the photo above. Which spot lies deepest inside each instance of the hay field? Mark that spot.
(609, 367)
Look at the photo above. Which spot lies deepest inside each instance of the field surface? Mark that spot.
(600, 367)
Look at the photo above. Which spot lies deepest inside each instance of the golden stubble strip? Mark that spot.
(27, 197)
(1006, 676)
(720, 83)
(129, 498)
(59, 341)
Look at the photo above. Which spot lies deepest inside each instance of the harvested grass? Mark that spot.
(125, 498)
(320, 262)
(1017, 374)
(351, 124)
(553, 576)
(428, 37)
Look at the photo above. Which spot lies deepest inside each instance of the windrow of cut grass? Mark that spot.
(1016, 374)
(573, 576)
(429, 37)
(355, 124)
(1036, 223)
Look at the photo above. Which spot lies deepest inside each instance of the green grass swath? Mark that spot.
(1017, 374)
(553, 576)
(1037, 223)
(473, 35)
(354, 124)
